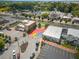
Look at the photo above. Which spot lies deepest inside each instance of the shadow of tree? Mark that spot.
(1, 52)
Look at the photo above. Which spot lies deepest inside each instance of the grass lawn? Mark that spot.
(72, 47)
(43, 24)
(68, 46)
(4, 9)
(77, 56)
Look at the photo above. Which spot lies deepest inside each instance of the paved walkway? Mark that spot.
(37, 33)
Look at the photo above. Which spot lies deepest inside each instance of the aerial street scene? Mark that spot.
(39, 29)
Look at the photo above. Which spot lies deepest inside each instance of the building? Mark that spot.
(75, 20)
(71, 35)
(3, 21)
(27, 25)
(54, 15)
(66, 18)
(1, 32)
(53, 33)
(20, 27)
(54, 50)
(74, 33)
(51, 52)
(58, 34)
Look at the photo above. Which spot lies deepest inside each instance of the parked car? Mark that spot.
(14, 53)
(18, 55)
(6, 47)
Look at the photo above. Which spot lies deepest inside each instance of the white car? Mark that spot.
(14, 53)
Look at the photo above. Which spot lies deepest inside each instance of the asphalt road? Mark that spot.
(11, 20)
(64, 25)
(26, 55)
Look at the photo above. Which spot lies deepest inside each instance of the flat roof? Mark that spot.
(74, 32)
(50, 52)
(67, 17)
(28, 22)
(75, 18)
(53, 31)
(21, 25)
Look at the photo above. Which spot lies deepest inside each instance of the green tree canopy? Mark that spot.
(44, 15)
(2, 43)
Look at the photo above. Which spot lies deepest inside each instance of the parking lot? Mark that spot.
(13, 33)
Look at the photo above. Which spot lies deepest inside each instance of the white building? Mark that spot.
(74, 32)
(75, 20)
(53, 33)
(20, 27)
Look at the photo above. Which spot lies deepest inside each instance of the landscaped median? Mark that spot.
(23, 47)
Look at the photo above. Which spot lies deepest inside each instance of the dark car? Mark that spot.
(18, 55)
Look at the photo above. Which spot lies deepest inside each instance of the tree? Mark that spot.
(16, 39)
(72, 22)
(9, 41)
(44, 15)
(6, 36)
(46, 25)
(52, 20)
(39, 25)
(2, 43)
(39, 17)
(24, 34)
(66, 20)
(60, 20)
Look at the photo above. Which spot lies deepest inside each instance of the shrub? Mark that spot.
(2, 43)
(24, 34)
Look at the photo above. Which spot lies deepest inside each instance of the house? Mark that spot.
(54, 15)
(66, 18)
(53, 33)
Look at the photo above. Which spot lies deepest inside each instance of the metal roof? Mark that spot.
(53, 31)
(50, 52)
(74, 32)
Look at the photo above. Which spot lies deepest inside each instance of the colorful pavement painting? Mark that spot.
(37, 32)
